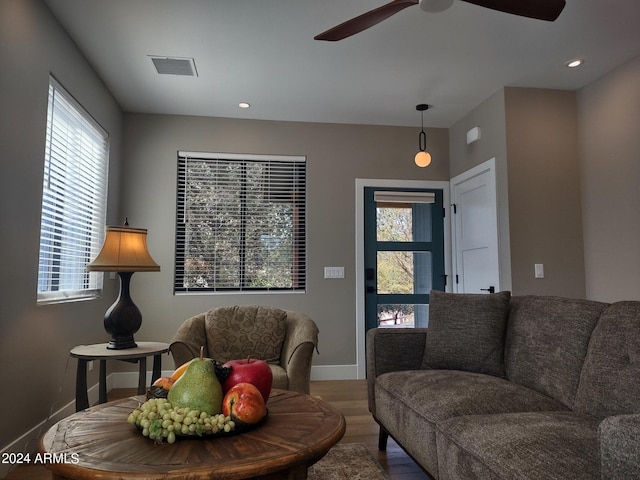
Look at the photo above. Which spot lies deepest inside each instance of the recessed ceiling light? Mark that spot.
(574, 63)
(244, 105)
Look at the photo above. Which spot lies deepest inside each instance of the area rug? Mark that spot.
(347, 461)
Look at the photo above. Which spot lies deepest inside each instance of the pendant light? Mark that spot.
(423, 158)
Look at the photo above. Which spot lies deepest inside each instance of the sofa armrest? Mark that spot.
(391, 350)
(619, 438)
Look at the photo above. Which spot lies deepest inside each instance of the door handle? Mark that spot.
(491, 289)
(371, 289)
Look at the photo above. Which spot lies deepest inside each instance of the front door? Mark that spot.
(403, 255)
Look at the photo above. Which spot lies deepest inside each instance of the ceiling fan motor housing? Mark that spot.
(435, 6)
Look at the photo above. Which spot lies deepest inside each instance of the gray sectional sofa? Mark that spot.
(502, 387)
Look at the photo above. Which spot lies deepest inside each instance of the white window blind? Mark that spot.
(74, 196)
(241, 223)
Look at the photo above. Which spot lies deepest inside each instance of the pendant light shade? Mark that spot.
(422, 158)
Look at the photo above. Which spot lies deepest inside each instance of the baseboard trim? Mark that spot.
(334, 372)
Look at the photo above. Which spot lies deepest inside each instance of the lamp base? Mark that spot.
(121, 344)
(123, 318)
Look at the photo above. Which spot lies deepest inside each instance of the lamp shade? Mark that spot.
(124, 250)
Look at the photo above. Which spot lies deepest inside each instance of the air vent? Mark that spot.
(175, 66)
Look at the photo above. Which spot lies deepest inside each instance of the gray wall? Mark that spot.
(532, 134)
(544, 191)
(35, 341)
(609, 115)
(489, 116)
(336, 156)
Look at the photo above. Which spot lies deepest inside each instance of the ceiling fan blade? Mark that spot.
(364, 21)
(540, 9)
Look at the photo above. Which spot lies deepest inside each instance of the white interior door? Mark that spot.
(475, 230)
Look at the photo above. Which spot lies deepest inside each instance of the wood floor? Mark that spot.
(347, 396)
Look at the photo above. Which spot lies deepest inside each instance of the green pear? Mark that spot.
(198, 388)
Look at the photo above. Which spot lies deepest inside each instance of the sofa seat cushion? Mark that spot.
(544, 445)
(409, 404)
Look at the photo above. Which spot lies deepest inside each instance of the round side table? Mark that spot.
(99, 351)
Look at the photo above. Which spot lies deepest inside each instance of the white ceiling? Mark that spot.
(263, 52)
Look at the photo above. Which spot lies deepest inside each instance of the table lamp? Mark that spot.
(125, 252)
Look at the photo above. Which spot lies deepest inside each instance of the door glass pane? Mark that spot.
(404, 272)
(408, 222)
(403, 316)
(394, 223)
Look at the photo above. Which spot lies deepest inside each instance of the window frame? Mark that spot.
(74, 200)
(298, 232)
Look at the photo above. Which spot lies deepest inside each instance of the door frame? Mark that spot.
(361, 183)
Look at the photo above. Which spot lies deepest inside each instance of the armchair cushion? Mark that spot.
(466, 332)
(248, 331)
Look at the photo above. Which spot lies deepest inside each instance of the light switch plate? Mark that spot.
(333, 272)
(539, 270)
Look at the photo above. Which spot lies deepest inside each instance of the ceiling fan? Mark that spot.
(539, 9)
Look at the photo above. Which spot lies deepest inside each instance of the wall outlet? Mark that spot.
(539, 270)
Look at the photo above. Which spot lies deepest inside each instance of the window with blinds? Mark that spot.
(74, 197)
(241, 223)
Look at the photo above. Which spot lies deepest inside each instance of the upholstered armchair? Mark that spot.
(284, 339)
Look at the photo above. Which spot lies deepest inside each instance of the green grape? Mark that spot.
(158, 420)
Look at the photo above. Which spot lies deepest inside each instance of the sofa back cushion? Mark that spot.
(610, 380)
(546, 343)
(466, 332)
(242, 331)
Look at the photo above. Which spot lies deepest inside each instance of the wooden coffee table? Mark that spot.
(98, 443)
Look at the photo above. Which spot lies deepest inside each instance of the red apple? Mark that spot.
(244, 404)
(250, 370)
